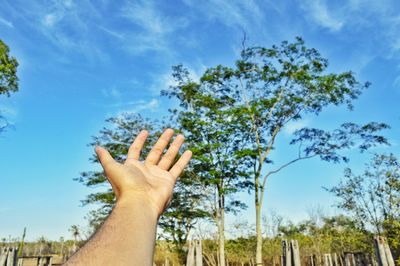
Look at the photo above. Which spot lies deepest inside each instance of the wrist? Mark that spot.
(139, 205)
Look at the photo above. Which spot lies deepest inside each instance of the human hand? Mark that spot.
(149, 182)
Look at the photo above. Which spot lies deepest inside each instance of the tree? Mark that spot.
(76, 233)
(204, 117)
(237, 113)
(8, 71)
(373, 197)
(8, 77)
(331, 234)
(184, 209)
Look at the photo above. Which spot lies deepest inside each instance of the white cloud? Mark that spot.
(321, 14)
(157, 31)
(291, 127)
(8, 111)
(67, 3)
(141, 105)
(246, 15)
(6, 22)
(145, 15)
(50, 19)
(112, 33)
(164, 81)
(114, 92)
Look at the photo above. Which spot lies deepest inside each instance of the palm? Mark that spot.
(154, 178)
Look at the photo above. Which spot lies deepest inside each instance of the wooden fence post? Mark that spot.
(3, 256)
(287, 254)
(383, 253)
(312, 262)
(11, 257)
(294, 246)
(347, 259)
(335, 261)
(327, 260)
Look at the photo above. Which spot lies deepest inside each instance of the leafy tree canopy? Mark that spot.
(8, 71)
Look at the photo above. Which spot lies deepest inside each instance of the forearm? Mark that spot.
(126, 238)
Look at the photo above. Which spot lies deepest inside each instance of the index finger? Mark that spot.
(178, 167)
(137, 145)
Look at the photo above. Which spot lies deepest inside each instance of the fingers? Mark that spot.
(157, 150)
(173, 150)
(137, 145)
(178, 167)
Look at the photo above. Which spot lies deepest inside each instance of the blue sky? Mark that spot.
(83, 61)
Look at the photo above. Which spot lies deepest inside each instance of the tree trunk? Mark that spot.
(258, 227)
(221, 235)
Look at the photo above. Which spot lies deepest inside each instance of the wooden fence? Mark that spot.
(9, 257)
(291, 256)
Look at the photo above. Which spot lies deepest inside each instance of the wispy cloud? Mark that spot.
(141, 105)
(145, 15)
(245, 15)
(8, 111)
(290, 128)
(165, 80)
(112, 33)
(114, 92)
(6, 22)
(155, 28)
(64, 25)
(320, 13)
(50, 20)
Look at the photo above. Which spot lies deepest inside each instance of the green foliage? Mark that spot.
(373, 197)
(8, 71)
(233, 115)
(335, 234)
(205, 118)
(8, 77)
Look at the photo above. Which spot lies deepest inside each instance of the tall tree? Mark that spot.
(76, 233)
(204, 117)
(8, 77)
(373, 197)
(184, 209)
(235, 114)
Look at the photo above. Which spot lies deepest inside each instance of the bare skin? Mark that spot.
(143, 190)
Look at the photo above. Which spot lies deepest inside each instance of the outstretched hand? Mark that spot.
(151, 181)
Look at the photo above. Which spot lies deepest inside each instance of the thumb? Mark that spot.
(104, 157)
(106, 161)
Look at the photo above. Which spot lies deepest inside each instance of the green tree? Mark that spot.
(332, 234)
(8, 77)
(205, 118)
(76, 234)
(185, 207)
(8, 71)
(235, 115)
(373, 197)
